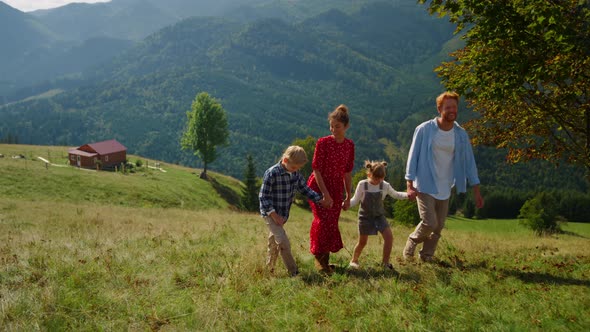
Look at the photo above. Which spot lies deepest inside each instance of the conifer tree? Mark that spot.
(251, 188)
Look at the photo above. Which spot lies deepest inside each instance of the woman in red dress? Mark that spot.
(333, 161)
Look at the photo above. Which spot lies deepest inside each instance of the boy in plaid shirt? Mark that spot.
(279, 184)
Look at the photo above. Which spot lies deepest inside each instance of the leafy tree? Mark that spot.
(251, 188)
(206, 129)
(540, 214)
(525, 68)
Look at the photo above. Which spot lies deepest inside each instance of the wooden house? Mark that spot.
(103, 155)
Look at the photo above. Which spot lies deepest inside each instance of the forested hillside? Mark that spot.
(50, 48)
(277, 80)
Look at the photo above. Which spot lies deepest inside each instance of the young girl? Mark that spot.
(332, 164)
(370, 193)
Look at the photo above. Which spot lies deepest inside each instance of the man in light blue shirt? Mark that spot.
(440, 157)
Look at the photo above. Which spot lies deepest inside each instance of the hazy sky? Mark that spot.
(30, 5)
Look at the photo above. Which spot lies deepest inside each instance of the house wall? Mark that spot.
(86, 162)
(111, 159)
(115, 158)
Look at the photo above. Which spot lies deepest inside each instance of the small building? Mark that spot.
(106, 154)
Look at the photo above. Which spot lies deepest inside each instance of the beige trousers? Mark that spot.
(433, 214)
(279, 244)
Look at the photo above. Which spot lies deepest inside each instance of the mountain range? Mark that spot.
(277, 67)
(38, 46)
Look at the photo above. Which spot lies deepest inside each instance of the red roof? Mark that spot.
(82, 153)
(105, 147)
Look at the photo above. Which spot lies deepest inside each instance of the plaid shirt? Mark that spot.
(278, 191)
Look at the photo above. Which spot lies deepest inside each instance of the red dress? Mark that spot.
(332, 160)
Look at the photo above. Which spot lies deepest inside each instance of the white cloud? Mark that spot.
(30, 5)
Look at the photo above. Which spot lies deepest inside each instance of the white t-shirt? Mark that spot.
(359, 193)
(443, 151)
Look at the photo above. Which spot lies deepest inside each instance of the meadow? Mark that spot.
(87, 262)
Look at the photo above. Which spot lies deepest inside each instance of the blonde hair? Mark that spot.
(295, 155)
(340, 114)
(376, 168)
(446, 95)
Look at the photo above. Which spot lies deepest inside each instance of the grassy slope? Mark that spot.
(82, 264)
(181, 187)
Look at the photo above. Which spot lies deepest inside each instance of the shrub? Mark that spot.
(406, 212)
(540, 214)
(138, 163)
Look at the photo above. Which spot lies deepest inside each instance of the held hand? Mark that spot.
(278, 219)
(346, 204)
(411, 190)
(344, 207)
(324, 203)
(329, 201)
(412, 193)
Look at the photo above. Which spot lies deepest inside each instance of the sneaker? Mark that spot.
(354, 266)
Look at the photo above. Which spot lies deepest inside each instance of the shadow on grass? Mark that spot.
(545, 278)
(573, 234)
(524, 276)
(229, 195)
(370, 273)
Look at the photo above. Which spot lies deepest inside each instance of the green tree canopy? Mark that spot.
(525, 69)
(206, 129)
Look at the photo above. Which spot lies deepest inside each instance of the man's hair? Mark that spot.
(296, 155)
(446, 95)
(376, 168)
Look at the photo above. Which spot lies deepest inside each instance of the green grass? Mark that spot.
(30, 179)
(88, 265)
